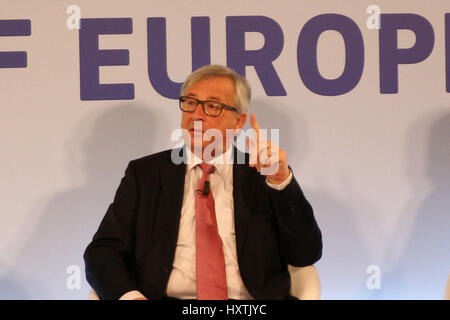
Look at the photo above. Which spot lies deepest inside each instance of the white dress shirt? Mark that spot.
(182, 283)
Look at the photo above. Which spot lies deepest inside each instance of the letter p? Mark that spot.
(391, 56)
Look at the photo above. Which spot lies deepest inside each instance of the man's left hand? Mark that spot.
(271, 160)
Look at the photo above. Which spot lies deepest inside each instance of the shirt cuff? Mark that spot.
(282, 185)
(131, 295)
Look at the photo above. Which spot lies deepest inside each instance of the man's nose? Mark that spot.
(198, 113)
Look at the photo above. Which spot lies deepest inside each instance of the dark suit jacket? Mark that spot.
(134, 246)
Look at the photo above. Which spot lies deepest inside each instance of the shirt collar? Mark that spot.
(222, 163)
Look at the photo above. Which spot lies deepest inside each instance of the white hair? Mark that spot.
(242, 90)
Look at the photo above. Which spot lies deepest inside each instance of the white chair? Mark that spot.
(93, 295)
(305, 283)
(447, 289)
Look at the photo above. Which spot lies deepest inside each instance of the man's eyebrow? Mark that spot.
(209, 98)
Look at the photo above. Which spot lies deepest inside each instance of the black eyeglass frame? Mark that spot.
(202, 102)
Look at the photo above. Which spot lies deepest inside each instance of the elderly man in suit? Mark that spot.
(209, 227)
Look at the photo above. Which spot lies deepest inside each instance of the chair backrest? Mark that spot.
(305, 282)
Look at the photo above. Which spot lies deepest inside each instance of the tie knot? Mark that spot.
(207, 168)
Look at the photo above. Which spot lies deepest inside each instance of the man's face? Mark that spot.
(219, 89)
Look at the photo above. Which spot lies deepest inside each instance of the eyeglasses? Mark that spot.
(210, 108)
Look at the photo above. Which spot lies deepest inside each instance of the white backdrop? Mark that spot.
(374, 166)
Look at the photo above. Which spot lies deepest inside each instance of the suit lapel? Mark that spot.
(173, 176)
(241, 210)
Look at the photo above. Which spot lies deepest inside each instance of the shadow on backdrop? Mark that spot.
(422, 263)
(293, 132)
(345, 259)
(71, 217)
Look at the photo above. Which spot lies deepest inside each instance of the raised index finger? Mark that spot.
(254, 123)
(255, 126)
